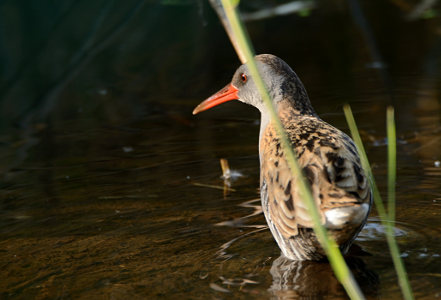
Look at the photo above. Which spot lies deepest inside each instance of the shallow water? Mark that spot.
(112, 189)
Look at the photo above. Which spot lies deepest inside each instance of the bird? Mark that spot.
(327, 156)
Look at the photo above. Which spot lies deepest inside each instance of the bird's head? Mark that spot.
(281, 82)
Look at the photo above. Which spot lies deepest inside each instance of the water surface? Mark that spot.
(112, 189)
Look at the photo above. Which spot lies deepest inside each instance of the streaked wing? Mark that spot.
(330, 163)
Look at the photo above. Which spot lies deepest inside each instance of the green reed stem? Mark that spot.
(364, 160)
(387, 220)
(391, 163)
(335, 257)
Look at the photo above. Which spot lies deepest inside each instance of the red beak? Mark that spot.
(228, 93)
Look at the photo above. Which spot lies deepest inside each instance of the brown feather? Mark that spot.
(330, 164)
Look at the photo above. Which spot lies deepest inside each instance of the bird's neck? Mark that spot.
(295, 107)
(288, 111)
(292, 96)
(288, 114)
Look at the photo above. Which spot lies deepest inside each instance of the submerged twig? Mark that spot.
(226, 175)
(226, 172)
(217, 187)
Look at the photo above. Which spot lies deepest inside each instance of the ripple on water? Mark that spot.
(420, 247)
(409, 236)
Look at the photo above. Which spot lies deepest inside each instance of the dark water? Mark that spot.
(111, 189)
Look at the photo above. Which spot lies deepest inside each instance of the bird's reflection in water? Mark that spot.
(316, 280)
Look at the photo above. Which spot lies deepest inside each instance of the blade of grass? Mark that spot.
(386, 219)
(391, 163)
(364, 160)
(392, 171)
(335, 257)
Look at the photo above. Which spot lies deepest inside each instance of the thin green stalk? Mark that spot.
(332, 251)
(385, 218)
(364, 160)
(391, 163)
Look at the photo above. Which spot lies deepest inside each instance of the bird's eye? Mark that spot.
(243, 77)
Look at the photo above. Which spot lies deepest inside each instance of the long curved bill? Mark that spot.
(228, 93)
